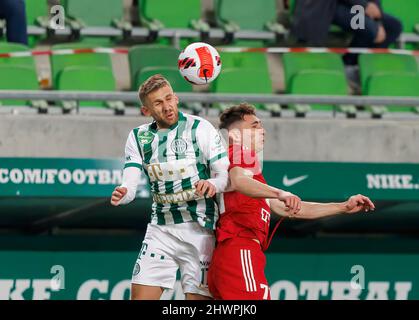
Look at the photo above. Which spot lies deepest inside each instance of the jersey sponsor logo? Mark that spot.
(155, 172)
(178, 197)
(179, 146)
(172, 171)
(265, 215)
(290, 182)
(145, 137)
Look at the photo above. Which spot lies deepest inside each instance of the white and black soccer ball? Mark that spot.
(199, 63)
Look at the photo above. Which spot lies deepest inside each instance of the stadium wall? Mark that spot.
(337, 140)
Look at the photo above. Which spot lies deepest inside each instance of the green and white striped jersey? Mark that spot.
(174, 160)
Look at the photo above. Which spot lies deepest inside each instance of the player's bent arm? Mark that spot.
(130, 180)
(314, 210)
(246, 185)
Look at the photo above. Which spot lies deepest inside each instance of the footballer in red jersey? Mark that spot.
(238, 262)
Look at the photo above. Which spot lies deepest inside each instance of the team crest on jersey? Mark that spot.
(136, 269)
(179, 146)
(145, 137)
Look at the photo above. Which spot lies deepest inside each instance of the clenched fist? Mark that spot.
(117, 195)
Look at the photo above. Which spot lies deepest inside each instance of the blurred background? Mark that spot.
(339, 122)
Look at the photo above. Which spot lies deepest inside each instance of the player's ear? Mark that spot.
(145, 111)
(176, 99)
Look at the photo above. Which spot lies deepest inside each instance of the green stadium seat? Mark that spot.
(37, 12)
(143, 56)
(245, 81)
(236, 15)
(371, 64)
(248, 61)
(96, 13)
(20, 77)
(320, 82)
(36, 15)
(244, 60)
(395, 84)
(406, 10)
(88, 78)
(157, 14)
(6, 47)
(295, 63)
(60, 62)
(172, 74)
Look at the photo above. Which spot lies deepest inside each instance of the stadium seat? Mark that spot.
(36, 15)
(143, 56)
(295, 63)
(244, 60)
(7, 47)
(20, 77)
(60, 62)
(97, 13)
(172, 74)
(245, 81)
(37, 12)
(247, 61)
(395, 84)
(236, 15)
(157, 14)
(320, 82)
(371, 64)
(88, 78)
(407, 11)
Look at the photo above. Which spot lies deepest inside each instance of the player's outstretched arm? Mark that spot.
(314, 210)
(241, 182)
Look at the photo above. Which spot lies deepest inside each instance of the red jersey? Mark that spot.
(243, 216)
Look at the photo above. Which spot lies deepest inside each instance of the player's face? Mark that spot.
(253, 134)
(162, 105)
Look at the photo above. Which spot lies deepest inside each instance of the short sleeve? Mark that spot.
(132, 153)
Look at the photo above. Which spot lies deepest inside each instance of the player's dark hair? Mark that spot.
(234, 114)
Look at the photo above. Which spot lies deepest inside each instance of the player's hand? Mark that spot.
(117, 195)
(205, 188)
(373, 11)
(358, 203)
(291, 201)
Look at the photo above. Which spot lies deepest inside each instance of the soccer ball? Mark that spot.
(199, 63)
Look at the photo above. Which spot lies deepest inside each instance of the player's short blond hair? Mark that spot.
(152, 84)
(235, 113)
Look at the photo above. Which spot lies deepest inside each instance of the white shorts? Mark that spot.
(167, 248)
